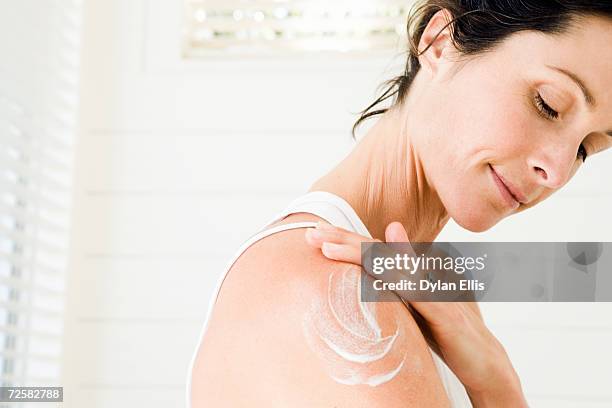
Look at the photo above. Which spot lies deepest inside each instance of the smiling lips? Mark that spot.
(510, 195)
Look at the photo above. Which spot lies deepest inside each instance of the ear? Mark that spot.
(437, 36)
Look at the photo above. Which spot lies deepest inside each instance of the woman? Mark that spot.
(496, 110)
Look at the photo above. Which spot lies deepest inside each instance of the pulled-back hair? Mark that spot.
(477, 26)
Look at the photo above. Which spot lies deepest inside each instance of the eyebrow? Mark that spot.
(588, 95)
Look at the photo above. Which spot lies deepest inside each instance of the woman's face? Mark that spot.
(514, 114)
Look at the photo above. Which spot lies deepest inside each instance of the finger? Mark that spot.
(316, 236)
(337, 243)
(328, 233)
(342, 252)
(338, 235)
(313, 237)
(395, 232)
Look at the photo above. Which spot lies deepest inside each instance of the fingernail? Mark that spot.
(324, 226)
(329, 248)
(313, 233)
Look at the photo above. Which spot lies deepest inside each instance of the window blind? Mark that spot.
(39, 58)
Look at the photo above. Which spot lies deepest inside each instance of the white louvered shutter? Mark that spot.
(39, 59)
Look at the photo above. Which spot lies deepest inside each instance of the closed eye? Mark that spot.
(549, 113)
(545, 109)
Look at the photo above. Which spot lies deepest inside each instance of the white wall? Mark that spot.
(178, 162)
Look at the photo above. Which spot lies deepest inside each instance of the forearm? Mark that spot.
(506, 393)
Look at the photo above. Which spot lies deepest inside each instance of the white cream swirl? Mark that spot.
(345, 333)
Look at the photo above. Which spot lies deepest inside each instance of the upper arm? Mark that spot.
(292, 332)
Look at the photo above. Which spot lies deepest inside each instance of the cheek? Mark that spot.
(476, 130)
(487, 114)
(474, 120)
(515, 134)
(488, 126)
(496, 126)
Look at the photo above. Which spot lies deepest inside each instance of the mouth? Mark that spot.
(511, 197)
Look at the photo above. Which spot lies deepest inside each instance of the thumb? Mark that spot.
(395, 232)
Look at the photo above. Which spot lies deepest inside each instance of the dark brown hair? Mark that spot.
(479, 25)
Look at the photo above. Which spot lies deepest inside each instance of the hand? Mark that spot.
(456, 330)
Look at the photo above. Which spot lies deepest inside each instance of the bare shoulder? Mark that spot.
(288, 329)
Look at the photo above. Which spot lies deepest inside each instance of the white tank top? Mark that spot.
(338, 212)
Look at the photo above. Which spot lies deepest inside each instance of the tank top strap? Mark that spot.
(264, 232)
(338, 212)
(331, 207)
(250, 241)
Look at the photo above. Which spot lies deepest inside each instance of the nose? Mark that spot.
(551, 168)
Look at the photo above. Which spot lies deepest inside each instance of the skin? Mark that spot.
(490, 119)
(455, 330)
(254, 352)
(400, 169)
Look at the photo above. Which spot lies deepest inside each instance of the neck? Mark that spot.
(383, 180)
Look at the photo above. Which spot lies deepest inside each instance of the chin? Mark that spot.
(474, 219)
